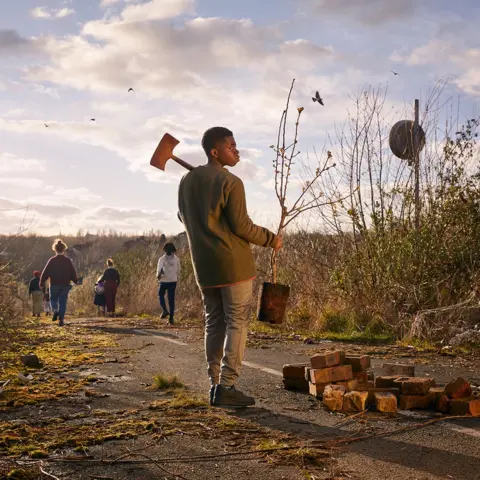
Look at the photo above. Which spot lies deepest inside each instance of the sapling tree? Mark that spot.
(310, 196)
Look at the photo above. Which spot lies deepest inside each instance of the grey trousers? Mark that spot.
(226, 325)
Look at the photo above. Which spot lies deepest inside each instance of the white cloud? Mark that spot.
(453, 59)
(54, 210)
(64, 12)
(40, 12)
(167, 60)
(26, 182)
(15, 112)
(11, 43)
(369, 12)
(54, 194)
(44, 12)
(122, 214)
(10, 163)
(49, 91)
(109, 3)
(109, 107)
(157, 10)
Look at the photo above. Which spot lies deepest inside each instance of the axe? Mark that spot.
(164, 152)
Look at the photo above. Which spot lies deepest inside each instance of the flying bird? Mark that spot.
(92, 119)
(131, 89)
(395, 73)
(318, 99)
(46, 125)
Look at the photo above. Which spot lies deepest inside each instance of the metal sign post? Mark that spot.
(407, 139)
(416, 160)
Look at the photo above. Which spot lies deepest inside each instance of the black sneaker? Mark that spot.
(165, 315)
(231, 397)
(171, 321)
(55, 317)
(212, 393)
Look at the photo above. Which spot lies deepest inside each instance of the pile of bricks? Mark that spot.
(344, 383)
(415, 393)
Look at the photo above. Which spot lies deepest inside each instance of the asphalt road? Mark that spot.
(445, 450)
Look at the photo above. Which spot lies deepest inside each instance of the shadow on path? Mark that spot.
(424, 458)
(131, 331)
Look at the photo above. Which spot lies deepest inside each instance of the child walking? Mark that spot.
(46, 299)
(36, 293)
(99, 297)
(168, 271)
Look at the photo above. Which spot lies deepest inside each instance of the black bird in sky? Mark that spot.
(131, 89)
(395, 73)
(92, 119)
(46, 125)
(318, 99)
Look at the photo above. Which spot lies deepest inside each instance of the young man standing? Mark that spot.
(213, 209)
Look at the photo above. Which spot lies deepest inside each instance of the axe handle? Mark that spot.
(182, 162)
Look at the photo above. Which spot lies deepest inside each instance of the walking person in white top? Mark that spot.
(168, 271)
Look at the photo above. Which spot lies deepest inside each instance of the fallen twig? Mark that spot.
(199, 458)
(351, 417)
(155, 462)
(48, 474)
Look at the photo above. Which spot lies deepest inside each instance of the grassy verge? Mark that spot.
(61, 351)
(286, 333)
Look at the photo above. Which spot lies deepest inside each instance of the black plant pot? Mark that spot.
(272, 302)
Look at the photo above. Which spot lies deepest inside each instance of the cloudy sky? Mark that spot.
(194, 64)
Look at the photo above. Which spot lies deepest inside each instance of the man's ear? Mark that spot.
(214, 153)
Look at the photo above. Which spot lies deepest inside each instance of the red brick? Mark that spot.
(465, 406)
(387, 382)
(355, 401)
(442, 403)
(295, 370)
(330, 375)
(333, 397)
(385, 402)
(295, 384)
(329, 359)
(372, 391)
(390, 369)
(359, 363)
(413, 402)
(349, 385)
(458, 388)
(361, 377)
(415, 386)
(316, 389)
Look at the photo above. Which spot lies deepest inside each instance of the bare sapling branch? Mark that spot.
(309, 197)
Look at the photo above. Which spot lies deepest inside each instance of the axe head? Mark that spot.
(164, 151)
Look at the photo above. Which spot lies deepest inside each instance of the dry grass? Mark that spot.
(162, 381)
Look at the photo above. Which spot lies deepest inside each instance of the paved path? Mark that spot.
(440, 451)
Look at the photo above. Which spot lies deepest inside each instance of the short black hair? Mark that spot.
(212, 136)
(169, 248)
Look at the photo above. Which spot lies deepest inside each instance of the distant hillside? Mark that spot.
(26, 253)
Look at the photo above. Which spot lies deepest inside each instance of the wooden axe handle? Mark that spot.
(183, 163)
